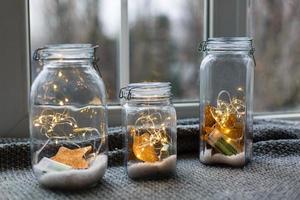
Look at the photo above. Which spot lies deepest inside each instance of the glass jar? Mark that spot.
(149, 123)
(226, 101)
(68, 118)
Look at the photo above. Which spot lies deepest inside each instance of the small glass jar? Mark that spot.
(149, 123)
(226, 101)
(68, 118)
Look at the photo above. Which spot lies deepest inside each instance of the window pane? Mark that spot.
(164, 37)
(77, 21)
(276, 28)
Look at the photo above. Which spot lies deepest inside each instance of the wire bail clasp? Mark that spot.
(36, 54)
(96, 60)
(252, 54)
(202, 46)
(126, 93)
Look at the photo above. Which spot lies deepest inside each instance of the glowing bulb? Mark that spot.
(226, 130)
(228, 140)
(54, 86)
(240, 89)
(66, 100)
(60, 74)
(61, 103)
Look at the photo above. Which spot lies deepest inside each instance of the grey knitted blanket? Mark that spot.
(274, 172)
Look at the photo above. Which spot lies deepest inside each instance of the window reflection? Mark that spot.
(275, 28)
(164, 36)
(76, 21)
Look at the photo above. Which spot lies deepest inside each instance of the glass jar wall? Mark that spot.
(68, 118)
(149, 121)
(226, 101)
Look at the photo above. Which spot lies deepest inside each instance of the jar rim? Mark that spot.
(227, 44)
(229, 39)
(150, 91)
(74, 51)
(149, 85)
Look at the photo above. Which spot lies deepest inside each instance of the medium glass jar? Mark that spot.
(68, 118)
(149, 123)
(226, 101)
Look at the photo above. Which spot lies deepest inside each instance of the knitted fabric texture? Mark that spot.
(274, 172)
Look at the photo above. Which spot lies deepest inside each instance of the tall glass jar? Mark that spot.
(68, 118)
(226, 101)
(149, 123)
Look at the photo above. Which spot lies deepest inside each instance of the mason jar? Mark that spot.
(226, 101)
(149, 124)
(68, 118)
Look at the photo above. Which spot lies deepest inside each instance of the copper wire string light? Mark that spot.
(48, 121)
(150, 138)
(61, 126)
(223, 127)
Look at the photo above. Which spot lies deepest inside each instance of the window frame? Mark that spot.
(212, 28)
(215, 18)
(14, 73)
(184, 109)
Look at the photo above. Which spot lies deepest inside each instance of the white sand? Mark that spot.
(237, 160)
(75, 178)
(164, 167)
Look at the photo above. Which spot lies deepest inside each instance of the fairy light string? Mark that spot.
(150, 136)
(233, 106)
(60, 126)
(49, 120)
(226, 132)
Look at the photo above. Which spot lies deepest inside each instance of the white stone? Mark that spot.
(75, 178)
(140, 170)
(237, 160)
(48, 165)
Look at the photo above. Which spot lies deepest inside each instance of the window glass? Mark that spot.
(275, 26)
(77, 21)
(164, 37)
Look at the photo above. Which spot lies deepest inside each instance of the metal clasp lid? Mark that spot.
(37, 57)
(203, 48)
